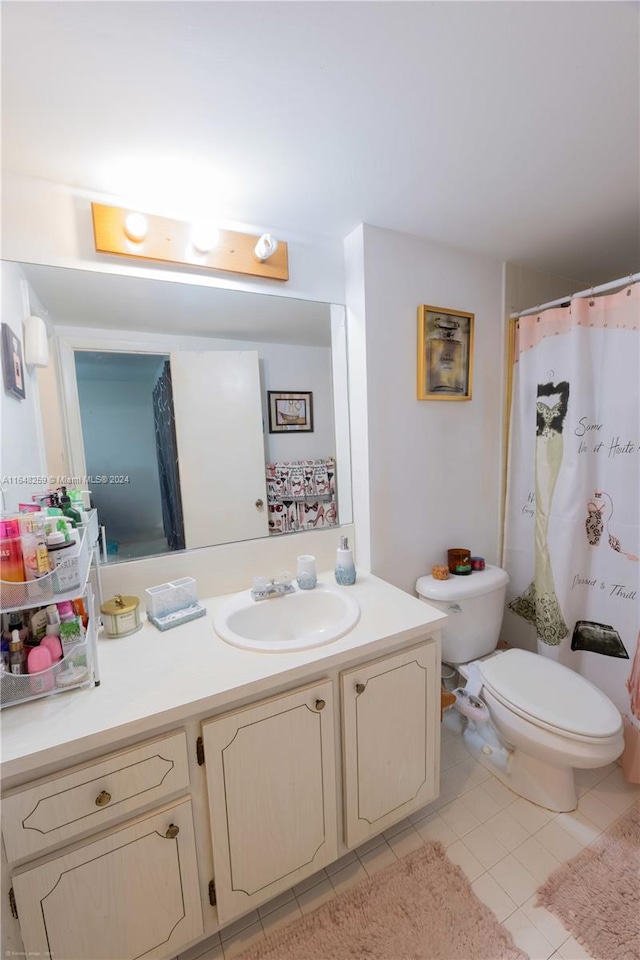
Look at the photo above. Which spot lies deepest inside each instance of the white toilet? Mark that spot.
(543, 719)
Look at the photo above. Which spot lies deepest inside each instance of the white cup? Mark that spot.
(306, 573)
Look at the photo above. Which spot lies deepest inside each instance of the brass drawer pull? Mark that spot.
(259, 504)
(103, 799)
(359, 687)
(320, 704)
(172, 831)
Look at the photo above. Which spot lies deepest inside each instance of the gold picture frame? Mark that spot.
(445, 353)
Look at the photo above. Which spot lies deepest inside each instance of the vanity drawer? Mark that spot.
(89, 797)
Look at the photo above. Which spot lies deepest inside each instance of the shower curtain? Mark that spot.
(572, 530)
(167, 451)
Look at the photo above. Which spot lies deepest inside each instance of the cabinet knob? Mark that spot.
(103, 799)
(320, 704)
(259, 504)
(359, 687)
(172, 831)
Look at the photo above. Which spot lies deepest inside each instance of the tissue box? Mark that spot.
(167, 598)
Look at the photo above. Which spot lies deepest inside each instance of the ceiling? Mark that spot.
(88, 299)
(510, 128)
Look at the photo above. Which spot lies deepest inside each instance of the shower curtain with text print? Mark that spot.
(572, 525)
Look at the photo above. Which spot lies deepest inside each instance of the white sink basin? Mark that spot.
(296, 621)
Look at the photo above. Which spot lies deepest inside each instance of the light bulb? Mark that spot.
(265, 247)
(204, 237)
(135, 227)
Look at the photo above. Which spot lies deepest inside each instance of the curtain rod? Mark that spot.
(632, 278)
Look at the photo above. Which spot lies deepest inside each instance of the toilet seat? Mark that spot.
(550, 696)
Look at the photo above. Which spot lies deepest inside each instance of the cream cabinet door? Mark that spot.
(132, 894)
(391, 755)
(272, 796)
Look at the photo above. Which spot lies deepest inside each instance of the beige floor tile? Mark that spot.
(498, 792)
(458, 779)
(396, 828)
(378, 859)
(369, 845)
(531, 817)
(406, 842)
(348, 858)
(485, 847)
(476, 770)
(579, 826)
(233, 928)
(597, 811)
(527, 936)
(491, 893)
(538, 860)
(615, 792)
(346, 878)
(508, 831)
(309, 882)
(435, 828)
(481, 804)
(455, 749)
(586, 779)
(459, 853)
(314, 898)
(282, 917)
(459, 817)
(446, 796)
(515, 879)
(204, 950)
(546, 922)
(242, 940)
(558, 841)
(572, 950)
(276, 903)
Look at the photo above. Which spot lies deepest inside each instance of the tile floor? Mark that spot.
(506, 846)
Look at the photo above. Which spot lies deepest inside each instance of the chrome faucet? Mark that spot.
(263, 589)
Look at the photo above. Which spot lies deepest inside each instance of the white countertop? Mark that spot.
(153, 678)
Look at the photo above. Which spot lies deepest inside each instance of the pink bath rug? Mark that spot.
(420, 908)
(597, 894)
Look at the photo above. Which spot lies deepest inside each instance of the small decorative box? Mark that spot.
(167, 598)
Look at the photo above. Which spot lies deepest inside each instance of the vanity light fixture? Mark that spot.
(204, 237)
(135, 227)
(120, 231)
(36, 343)
(265, 247)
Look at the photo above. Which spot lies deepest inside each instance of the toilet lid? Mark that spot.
(549, 694)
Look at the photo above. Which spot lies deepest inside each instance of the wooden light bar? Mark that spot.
(170, 242)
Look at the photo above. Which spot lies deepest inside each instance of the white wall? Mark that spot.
(22, 443)
(434, 467)
(50, 223)
(119, 439)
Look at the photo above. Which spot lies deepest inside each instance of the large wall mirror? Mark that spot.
(197, 415)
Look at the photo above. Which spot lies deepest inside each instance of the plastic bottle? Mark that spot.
(34, 547)
(11, 563)
(67, 509)
(53, 645)
(53, 621)
(345, 568)
(17, 656)
(39, 659)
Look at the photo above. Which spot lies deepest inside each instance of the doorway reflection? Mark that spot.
(128, 427)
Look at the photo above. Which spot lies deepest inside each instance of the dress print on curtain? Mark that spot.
(572, 519)
(539, 603)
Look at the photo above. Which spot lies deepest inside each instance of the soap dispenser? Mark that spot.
(345, 567)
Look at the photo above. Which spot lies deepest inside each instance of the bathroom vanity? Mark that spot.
(201, 780)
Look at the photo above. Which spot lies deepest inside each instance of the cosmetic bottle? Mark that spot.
(67, 509)
(345, 568)
(53, 621)
(39, 660)
(34, 547)
(11, 564)
(53, 645)
(17, 656)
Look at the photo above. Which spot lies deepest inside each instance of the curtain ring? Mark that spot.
(630, 284)
(592, 301)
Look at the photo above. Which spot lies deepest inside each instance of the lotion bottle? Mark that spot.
(345, 568)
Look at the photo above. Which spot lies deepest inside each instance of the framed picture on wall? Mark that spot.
(445, 353)
(12, 365)
(290, 412)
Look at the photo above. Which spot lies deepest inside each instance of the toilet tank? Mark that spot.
(474, 605)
